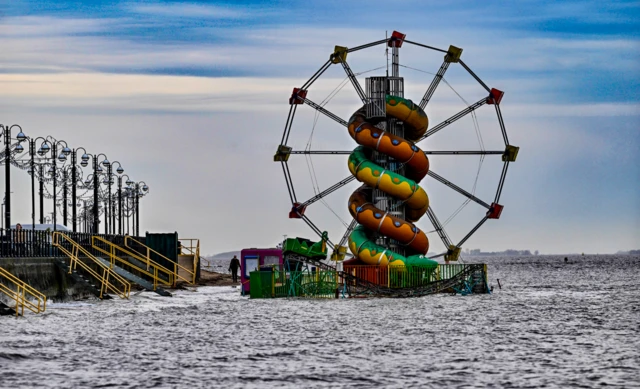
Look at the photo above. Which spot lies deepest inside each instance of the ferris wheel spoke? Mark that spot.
(474, 229)
(346, 234)
(327, 191)
(434, 84)
(354, 81)
(322, 152)
(316, 230)
(457, 189)
(465, 152)
(454, 118)
(438, 226)
(323, 111)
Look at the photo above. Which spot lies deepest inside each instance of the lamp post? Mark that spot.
(109, 180)
(42, 152)
(96, 187)
(84, 162)
(140, 190)
(6, 131)
(120, 209)
(62, 158)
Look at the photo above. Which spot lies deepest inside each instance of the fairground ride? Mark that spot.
(390, 163)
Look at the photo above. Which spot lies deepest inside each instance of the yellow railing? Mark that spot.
(153, 269)
(191, 248)
(176, 267)
(22, 293)
(120, 287)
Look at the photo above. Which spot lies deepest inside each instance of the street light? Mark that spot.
(42, 151)
(62, 157)
(111, 214)
(21, 137)
(84, 162)
(140, 189)
(97, 169)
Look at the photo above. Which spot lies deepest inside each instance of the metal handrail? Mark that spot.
(107, 272)
(156, 267)
(176, 266)
(22, 294)
(194, 249)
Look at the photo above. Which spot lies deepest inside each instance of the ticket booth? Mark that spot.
(253, 259)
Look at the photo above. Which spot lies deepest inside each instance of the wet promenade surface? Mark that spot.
(551, 325)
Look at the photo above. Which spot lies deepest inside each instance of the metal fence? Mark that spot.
(30, 243)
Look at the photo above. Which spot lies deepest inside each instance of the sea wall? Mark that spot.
(42, 274)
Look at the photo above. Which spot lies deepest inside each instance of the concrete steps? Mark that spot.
(89, 283)
(148, 285)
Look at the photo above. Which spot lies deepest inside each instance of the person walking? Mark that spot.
(234, 265)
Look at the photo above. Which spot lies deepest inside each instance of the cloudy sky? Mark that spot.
(191, 97)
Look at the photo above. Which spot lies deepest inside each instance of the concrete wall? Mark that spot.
(43, 275)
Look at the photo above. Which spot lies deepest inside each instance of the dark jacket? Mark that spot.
(234, 265)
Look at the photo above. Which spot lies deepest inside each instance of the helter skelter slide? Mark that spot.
(390, 164)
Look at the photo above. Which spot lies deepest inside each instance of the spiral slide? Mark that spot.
(404, 188)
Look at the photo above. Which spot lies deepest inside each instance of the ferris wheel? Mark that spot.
(392, 158)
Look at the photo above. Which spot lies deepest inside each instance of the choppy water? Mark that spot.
(551, 325)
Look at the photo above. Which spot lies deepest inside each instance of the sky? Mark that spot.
(192, 98)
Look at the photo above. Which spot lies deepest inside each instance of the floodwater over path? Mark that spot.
(552, 324)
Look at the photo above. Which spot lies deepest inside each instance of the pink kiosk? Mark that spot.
(252, 259)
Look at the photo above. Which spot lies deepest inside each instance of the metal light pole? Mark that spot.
(96, 187)
(84, 162)
(120, 209)
(44, 148)
(6, 131)
(110, 175)
(141, 189)
(62, 158)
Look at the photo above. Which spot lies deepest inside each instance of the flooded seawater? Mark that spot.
(551, 325)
